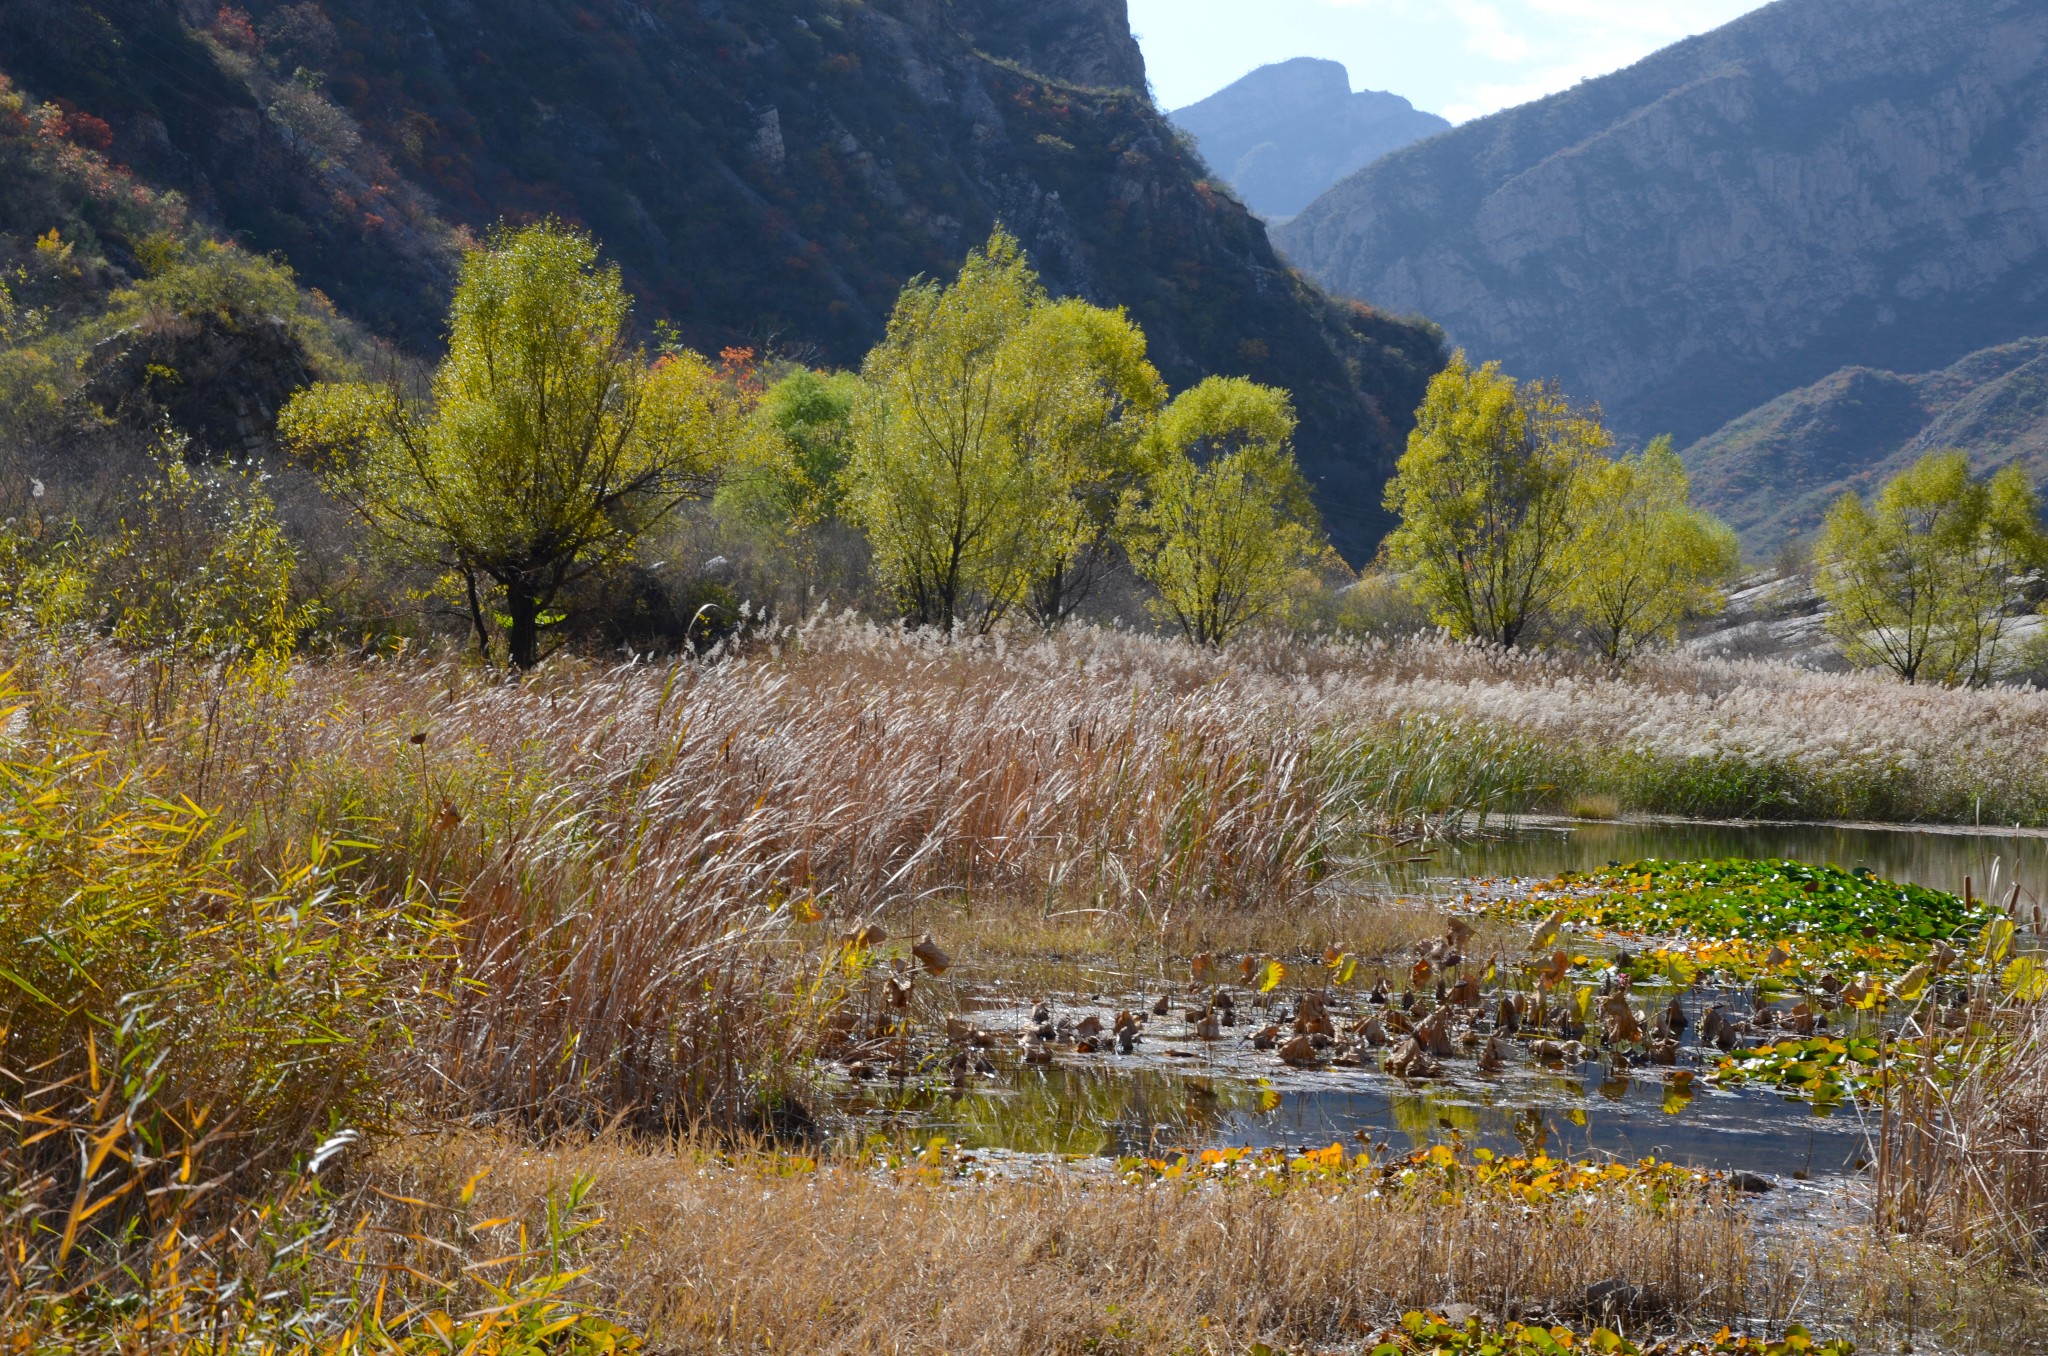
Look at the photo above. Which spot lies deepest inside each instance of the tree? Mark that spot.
(548, 446)
(1920, 581)
(794, 478)
(1097, 397)
(1225, 520)
(1488, 493)
(1646, 559)
(988, 409)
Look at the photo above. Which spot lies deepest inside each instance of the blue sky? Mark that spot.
(1460, 58)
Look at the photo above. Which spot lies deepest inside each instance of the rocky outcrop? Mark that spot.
(219, 380)
(1285, 133)
(1773, 472)
(1082, 42)
(1822, 184)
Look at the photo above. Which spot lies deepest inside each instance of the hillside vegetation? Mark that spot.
(769, 175)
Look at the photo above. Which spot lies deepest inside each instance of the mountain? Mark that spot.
(1773, 472)
(1821, 185)
(768, 173)
(1287, 132)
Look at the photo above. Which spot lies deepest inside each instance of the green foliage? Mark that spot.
(1428, 1335)
(1490, 502)
(146, 981)
(1225, 520)
(996, 421)
(1646, 560)
(1769, 899)
(199, 566)
(793, 478)
(1921, 580)
(549, 447)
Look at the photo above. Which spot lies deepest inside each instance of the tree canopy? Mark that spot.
(1646, 559)
(990, 412)
(1225, 521)
(1490, 498)
(548, 445)
(1921, 579)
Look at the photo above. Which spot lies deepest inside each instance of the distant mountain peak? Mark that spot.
(1285, 133)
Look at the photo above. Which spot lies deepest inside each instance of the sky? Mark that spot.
(1461, 58)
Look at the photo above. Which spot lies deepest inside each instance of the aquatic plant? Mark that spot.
(1751, 919)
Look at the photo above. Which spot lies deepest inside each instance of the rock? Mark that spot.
(1616, 1300)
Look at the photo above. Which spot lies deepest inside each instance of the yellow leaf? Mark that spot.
(1271, 976)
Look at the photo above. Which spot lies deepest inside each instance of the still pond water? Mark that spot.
(1177, 1094)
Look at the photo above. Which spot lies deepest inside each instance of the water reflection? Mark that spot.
(1116, 1112)
(1993, 862)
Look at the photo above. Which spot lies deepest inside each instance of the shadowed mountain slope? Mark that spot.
(1820, 185)
(1774, 472)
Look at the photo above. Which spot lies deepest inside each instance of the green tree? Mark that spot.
(1488, 493)
(988, 412)
(1647, 560)
(199, 566)
(548, 446)
(1921, 580)
(1225, 522)
(794, 477)
(1092, 407)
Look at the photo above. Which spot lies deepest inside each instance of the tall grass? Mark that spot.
(248, 908)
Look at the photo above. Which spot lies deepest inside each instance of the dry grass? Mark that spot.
(650, 867)
(715, 1256)
(1964, 1161)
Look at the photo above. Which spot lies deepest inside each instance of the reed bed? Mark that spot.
(251, 908)
(1963, 1162)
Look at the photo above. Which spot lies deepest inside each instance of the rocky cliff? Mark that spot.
(1820, 185)
(1774, 472)
(1285, 133)
(769, 173)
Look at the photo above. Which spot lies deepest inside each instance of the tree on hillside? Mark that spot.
(1920, 581)
(548, 446)
(1646, 560)
(1488, 494)
(1224, 523)
(989, 412)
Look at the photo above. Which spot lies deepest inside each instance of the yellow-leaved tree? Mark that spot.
(1489, 493)
(1647, 561)
(992, 429)
(1224, 523)
(1920, 581)
(548, 446)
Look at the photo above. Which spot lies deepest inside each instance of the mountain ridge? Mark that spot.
(1285, 133)
(1818, 185)
(1774, 472)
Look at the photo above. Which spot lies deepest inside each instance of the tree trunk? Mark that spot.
(523, 606)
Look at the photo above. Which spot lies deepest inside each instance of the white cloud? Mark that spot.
(1517, 50)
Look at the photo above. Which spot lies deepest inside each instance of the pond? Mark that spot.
(1175, 1092)
(1991, 861)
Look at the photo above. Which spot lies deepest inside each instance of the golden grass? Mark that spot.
(718, 1256)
